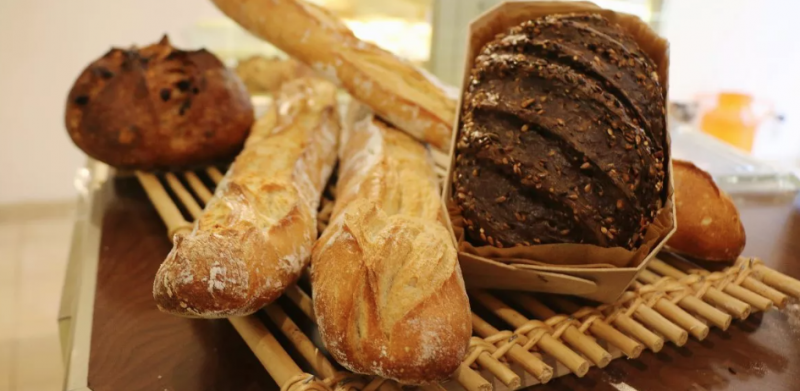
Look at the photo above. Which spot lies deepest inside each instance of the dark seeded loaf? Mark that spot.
(562, 137)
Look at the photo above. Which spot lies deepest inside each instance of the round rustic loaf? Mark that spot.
(563, 137)
(158, 107)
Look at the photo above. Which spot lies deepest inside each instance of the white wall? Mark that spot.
(739, 45)
(44, 45)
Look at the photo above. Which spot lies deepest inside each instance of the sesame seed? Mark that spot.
(586, 166)
(528, 102)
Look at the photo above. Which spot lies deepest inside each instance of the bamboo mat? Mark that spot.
(520, 339)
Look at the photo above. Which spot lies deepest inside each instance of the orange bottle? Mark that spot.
(732, 120)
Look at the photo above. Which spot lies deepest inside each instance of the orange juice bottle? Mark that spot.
(732, 120)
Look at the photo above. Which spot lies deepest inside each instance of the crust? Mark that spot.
(255, 235)
(397, 91)
(708, 223)
(388, 291)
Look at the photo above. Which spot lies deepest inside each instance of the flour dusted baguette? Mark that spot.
(388, 292)
(255, 235)
(395, 89)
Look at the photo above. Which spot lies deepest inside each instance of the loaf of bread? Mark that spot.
(158, 107)
(262, 75)
(709, 227)
(256, 233)
(562, 137)
(388, 292)
(395, 89)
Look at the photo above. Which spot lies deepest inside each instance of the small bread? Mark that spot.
(709, 227)
(388, 292)
(158, 107)
(395, 89)
(255, 236)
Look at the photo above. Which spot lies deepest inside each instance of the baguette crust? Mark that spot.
(397, 91)
(388, 291)
(709, 227)
(255, 235)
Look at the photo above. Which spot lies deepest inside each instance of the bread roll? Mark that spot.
(395, 89)
(709, 227)
(255, 235)
(387, 287)
(563, 137)
(158, 107)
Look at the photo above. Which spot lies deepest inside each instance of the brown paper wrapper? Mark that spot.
(565, 258)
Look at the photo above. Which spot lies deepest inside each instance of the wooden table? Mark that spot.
(135, 347)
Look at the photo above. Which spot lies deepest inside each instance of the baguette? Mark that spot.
(388, 292)
(255, 235)
(709, 226)
(395, 89)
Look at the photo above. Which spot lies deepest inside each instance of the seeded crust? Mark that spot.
(562, 138)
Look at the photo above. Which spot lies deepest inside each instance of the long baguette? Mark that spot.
(395, 89)
(388, 292)
(256, 233)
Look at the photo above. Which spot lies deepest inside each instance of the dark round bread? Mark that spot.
(563, 130)
(158, 107)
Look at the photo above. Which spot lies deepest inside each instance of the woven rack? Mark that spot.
(671, 301)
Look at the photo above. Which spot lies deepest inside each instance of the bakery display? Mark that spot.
(262, 75)
(561, 173)
(388, 294)
(158, 107)
(255, 236)
(394, 88)
(709, 227)
(563, 137)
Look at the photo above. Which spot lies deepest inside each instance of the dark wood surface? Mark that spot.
(135, 347)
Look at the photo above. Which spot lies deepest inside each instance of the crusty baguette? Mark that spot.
(255, 235)
(395, 89)
(709, 227)
(388, 291)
